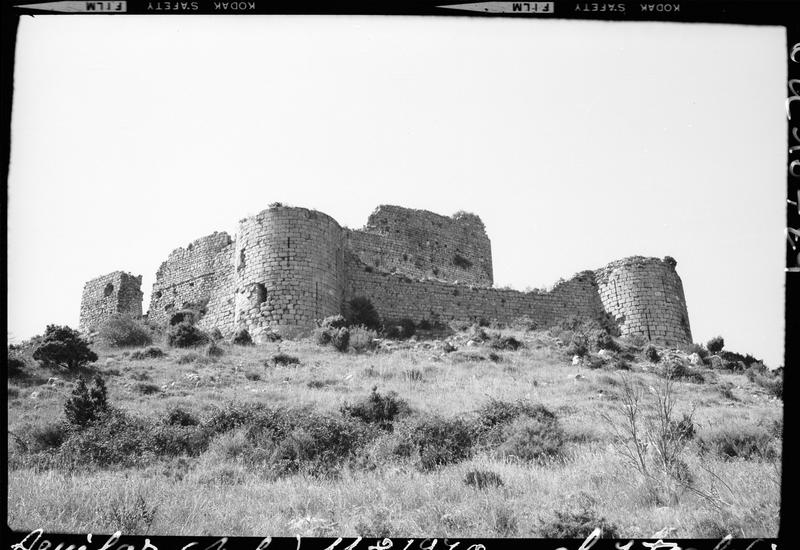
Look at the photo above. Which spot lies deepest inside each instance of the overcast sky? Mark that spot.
(577, 143)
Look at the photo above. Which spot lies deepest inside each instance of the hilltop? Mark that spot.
(454, 431)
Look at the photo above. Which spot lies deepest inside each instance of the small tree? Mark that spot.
(716, 344)
(62, 345)
(86, 404)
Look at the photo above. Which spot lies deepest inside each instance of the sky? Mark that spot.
(577, 143)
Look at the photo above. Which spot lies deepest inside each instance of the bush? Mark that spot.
(340, 339)
(440, 441)
(15, 365)
(334, 321)
(716, 344)
(362, 338)
(185, 335)
(497, 413)
(578, 345)
(377, 409)
(651, 354)
(214, 351)
(86, 404)
(176, 416)
(362, 312)
(532, 439)
(577, 523)
(123, 330)
(425, 325)
(216, 334)
(187, 358)
(677, 370)
(747, 442)
(500, 342)
(148, 353)
(47, 437)
(283, 359)
(62, 345)
(600, 339)
(482, 479)
(242, 338)
(695, 348)
(146, 388)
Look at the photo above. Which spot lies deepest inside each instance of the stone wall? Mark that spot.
(289, 270)
(291, 266)
(116, 292)
(397, 296)
(187, 278)
(423, 245)
(646, 296)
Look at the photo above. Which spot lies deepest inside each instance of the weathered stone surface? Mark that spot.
(289, 266)
(110, 294)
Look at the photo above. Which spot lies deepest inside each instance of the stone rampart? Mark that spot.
(289, 269)
(187, 278)
(424, 245)
(645, 295)
(114, 293)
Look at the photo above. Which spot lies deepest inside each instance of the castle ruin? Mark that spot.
(288, 267)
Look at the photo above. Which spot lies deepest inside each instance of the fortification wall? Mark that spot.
(396, 297)
(421, 244)
(187, 278)
(646, 296)
(220, 308)
(289, 269)
(116, 292)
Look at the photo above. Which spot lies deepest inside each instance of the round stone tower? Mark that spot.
(289, 270)
(645, 295)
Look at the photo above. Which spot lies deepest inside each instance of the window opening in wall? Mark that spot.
(108, 289)
(616, 293)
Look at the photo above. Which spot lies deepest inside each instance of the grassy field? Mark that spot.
(227, 483)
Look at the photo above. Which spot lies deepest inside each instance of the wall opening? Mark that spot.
(108, 290)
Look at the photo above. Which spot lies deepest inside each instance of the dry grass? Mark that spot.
(212, 494)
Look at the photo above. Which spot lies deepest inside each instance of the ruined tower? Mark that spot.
(105, 296)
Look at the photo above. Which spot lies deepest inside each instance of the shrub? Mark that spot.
(49, 436)
(334, 321)
(677, 370)
(482, 479)
(146, 388)
(498, 413)
(578, 345)
(15, 365)
(340, 339)
(600, 339)
(124, 330)
(500, 342)
(425, 325)
(716, 344)
(148, 353)
(532, 439)
(440, 441)
(695, 348)
(242, 338)
(362, 312)
(733, 357)
(216, 334)
(651, 354)
(86, 404)
(377, 409)
(578, 522)
(187, 358)
(732, 441)
(214, 351)
(62, 345)
(176, 416)
(284, 359)
(185, 335)
(362, 338)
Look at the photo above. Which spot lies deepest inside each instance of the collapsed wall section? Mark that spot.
(645, 296)
(397, 296)
(422, 245)
(187, 278)
(108, 295)
(289, 270)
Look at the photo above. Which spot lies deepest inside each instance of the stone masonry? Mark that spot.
(117, 292)
(288, 267)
